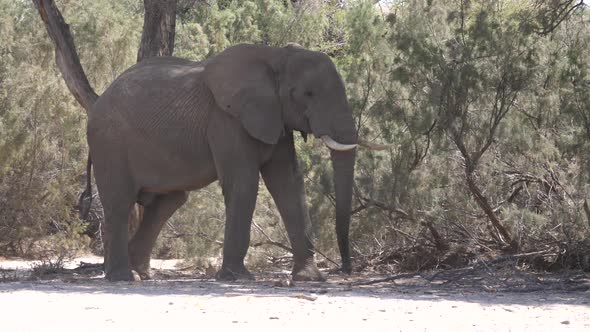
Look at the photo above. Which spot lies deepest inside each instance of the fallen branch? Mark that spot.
(274, 243)
(270, 241)
(326, 257)
(295, 296)
(392, 278)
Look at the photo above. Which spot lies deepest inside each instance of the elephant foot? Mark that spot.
(307, 272)
(123, 275)
(142, 273)
(233, 273)
(136, 276)
(346, 269)
(139, 262)
(142, 270)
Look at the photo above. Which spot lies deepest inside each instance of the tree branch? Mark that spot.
(269, 239)
(484, 204)
(66, 57)
(553, 13)
(587, 211)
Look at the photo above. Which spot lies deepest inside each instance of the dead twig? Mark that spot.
(270, 241)
(392, 278)
(295, 296)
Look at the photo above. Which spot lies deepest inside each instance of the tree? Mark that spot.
(451, 89)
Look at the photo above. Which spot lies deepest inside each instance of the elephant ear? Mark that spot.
(247, 90)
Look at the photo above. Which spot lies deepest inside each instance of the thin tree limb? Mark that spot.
(587, 211)
(66, 56)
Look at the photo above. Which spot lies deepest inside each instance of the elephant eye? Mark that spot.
(308, 93)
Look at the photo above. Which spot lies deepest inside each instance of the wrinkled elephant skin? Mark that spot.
(167, 126)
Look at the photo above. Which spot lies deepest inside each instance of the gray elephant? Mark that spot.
(167, 126)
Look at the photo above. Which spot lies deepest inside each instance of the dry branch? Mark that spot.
(587, 211)
(388, 279)
(484, 204)
(552, 13)
(66, 57)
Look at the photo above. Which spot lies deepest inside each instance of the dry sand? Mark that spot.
(76, 303)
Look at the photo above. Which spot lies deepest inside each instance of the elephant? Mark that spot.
(167, 126)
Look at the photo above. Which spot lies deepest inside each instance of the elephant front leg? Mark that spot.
(237, 157)
(285, 183)
(240, 188)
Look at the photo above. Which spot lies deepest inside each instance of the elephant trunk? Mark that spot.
(343, 164)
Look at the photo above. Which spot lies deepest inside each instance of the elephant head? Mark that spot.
(273, 90)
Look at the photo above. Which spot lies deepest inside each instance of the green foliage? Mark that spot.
(488, 98)
(208, 29)
(42, 128)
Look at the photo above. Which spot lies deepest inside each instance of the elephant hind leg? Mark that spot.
(116, 213)
(155, 215)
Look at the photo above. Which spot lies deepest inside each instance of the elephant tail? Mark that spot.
(85, 200)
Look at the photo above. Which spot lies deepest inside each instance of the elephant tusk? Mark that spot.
(374, 146)
(332, 144)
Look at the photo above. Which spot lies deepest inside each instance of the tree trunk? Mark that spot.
(483, 203)
(159, 24)
(66, 57)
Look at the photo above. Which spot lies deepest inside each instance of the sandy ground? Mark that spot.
(92, 304)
